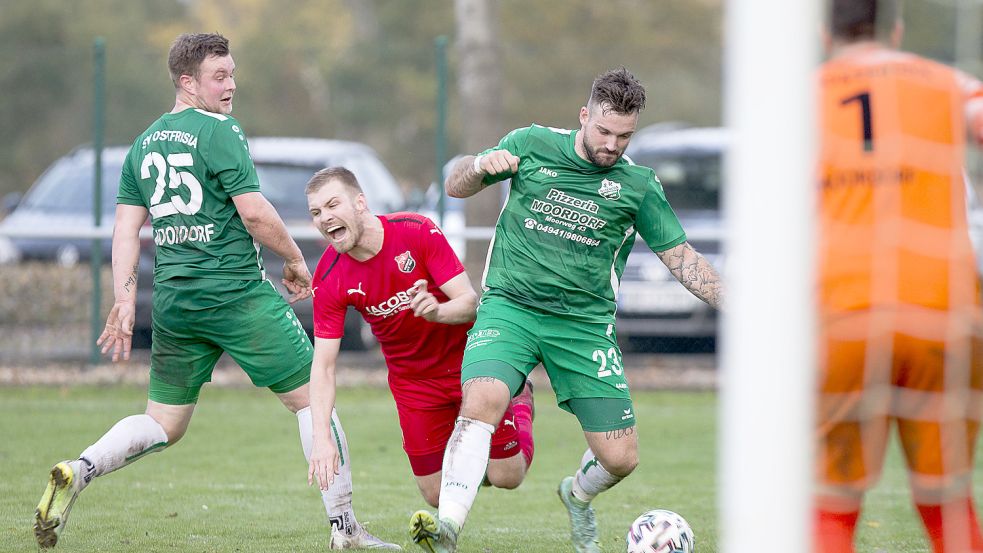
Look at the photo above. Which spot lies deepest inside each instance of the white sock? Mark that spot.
(338, 497)
(592, 478)
(465, 462)
(127, 441)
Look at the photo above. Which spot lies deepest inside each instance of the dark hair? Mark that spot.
(189, 50)
(619, 91)
(328, 174)
(862, 19)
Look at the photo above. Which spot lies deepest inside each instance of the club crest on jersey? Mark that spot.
(405, 262)
(610, 190)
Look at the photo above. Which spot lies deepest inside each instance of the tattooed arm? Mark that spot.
(694, 272)
(467, 174)
(118, 333)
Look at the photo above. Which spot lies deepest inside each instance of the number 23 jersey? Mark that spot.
(185, 168)
(564, 235)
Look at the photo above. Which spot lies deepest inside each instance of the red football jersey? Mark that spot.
(424, 358)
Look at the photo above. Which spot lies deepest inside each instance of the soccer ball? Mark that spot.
(660, 531)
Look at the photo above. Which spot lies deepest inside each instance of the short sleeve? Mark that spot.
(129, 189)
(656, 221)
(441, 261)
(514, 143)
(328, 304)
(229, 160)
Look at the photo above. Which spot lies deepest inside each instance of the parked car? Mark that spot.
(62, 198)
(689, 163)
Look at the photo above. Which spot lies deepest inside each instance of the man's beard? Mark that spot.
(592, 158)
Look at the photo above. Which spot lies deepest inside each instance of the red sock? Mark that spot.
(976, 536)
(523, 426)
(834, 531)
(961, 522)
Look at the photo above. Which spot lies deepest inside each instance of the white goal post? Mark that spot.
(767, 353)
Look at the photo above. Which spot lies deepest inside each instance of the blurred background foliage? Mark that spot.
(352, 69)
(360, 69)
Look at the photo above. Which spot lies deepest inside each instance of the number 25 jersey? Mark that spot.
(185, 169)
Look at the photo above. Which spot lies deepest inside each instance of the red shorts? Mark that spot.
(426, 432)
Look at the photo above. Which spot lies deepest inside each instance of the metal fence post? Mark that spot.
(440, 142)
(95, 257)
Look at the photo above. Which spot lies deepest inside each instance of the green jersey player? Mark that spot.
(192, 173)
(574, 210)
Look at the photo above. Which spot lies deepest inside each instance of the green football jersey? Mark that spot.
(185, 169)
(564, 235)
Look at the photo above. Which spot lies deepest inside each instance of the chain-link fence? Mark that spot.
(45, 310)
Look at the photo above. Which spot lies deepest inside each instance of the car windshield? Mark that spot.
(67, 188)
(283, 186)
(381, 191)
(691, 180)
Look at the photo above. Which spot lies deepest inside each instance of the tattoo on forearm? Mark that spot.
(619, 433)
(131, 281)
(464, 180)
(694, 272)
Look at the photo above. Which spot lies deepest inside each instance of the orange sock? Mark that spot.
(834, 531)
(960, 520)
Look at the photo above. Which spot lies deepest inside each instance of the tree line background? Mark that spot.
(364, 69)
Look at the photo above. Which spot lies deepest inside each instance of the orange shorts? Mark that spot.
(919, 367)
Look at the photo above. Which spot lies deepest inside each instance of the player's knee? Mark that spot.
(173, 423)
(509, 472)
(624, 466)
(174, 431)
(484, 399)
(507, 475)
(507, 481)
(621, 464)
(296, 399)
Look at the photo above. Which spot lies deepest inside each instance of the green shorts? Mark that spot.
(582, 359)
(196, 320)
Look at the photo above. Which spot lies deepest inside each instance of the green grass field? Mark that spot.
(237, 482)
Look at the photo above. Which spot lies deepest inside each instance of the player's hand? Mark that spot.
(422, 302)
(498, 162)
(324, 465)
(297, 279)
(118, 333)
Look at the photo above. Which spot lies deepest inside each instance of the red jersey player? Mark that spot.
(400, 273)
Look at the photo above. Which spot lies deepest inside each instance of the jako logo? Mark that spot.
(548, 172)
